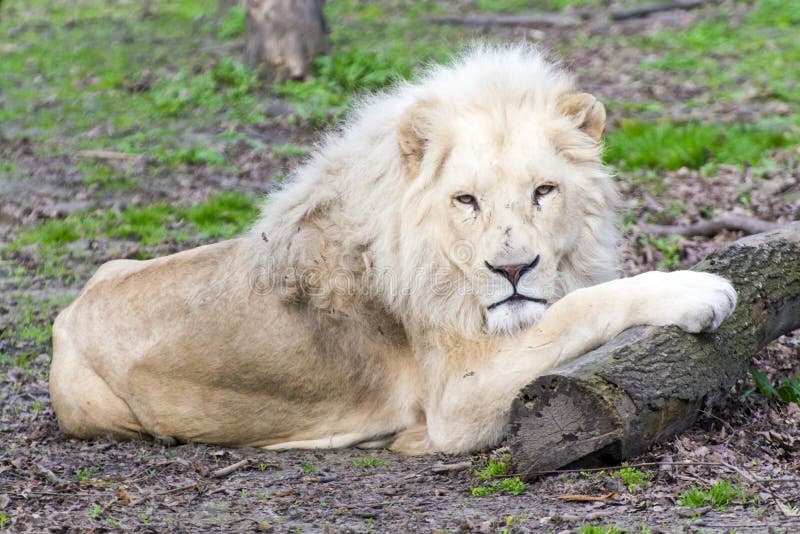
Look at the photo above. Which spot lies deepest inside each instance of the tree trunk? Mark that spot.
(284, 36)
(649, 383)
(225, 6)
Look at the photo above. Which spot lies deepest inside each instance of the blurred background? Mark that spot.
(135, 129)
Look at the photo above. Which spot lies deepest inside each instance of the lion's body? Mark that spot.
(420, 269)
(168, 360)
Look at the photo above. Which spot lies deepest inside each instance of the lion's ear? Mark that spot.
(588, 113)
(414, 134)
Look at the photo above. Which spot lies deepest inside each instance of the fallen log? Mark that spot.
(650, 383)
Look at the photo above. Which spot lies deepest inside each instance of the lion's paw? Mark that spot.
(694, 301)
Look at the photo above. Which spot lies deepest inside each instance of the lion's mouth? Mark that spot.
(516, 297)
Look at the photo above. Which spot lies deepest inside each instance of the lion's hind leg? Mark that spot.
(85, 405)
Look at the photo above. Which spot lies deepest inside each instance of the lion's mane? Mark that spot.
(346, 234)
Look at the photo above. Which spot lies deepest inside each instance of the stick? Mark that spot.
(532, 20)
(648, 9)
(225, 471)
(748, 225)
(451, 468)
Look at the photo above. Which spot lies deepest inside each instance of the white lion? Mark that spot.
(452, 242)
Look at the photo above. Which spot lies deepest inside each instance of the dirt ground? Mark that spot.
(50, 482)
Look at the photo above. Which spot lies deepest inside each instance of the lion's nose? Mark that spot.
(515, 271)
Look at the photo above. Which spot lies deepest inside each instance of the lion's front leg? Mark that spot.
(592, 316)
(473, 406)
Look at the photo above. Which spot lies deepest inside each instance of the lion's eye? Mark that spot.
(467, 199)
(543, 190)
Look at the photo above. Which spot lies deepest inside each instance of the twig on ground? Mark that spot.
(225, 471)
(645, 10)
(588, 498)
(618, 467)
(748, 225)
(781, 480)
(193, 485)
(49, 475)
(450, 468)
(108, 505)
(531, 20)
(561, 20)
(763, 527)
(787, 510)
(722, 421)
(749, 477)
(418, 473)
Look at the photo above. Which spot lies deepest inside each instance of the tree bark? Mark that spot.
(648, 383)
(224, 6)
(284, 36)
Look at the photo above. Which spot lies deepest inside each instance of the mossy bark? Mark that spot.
(649, 383)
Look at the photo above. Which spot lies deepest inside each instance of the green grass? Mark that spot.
(84, 475)
(307, 468)
(105, 177)
(508, 486)
(148, 82)
(738, 59)
(233, 26)
(788, 390)
(341, 76)
(194, 156)
(367, 461)
(670, 248)
(372, 46)
(757, 56)
(719, 496)
(493, 470)
(291, 150)
(223, 215)
(633, 478)
(220, 216)
(667, 145)
(27, 329)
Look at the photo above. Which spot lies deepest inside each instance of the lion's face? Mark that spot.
(507, 211)
(510, 222)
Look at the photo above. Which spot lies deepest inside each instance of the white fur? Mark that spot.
(513, 317)
(487, 98)
(361, 309)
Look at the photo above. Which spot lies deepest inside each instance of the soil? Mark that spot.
(50, 482)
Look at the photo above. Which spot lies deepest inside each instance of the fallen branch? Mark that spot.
(451, 468)
(588, 498)
(225, 471)
(648, 383)
(177, 489)
(531, 20)
(748, 225)
(645, 10)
